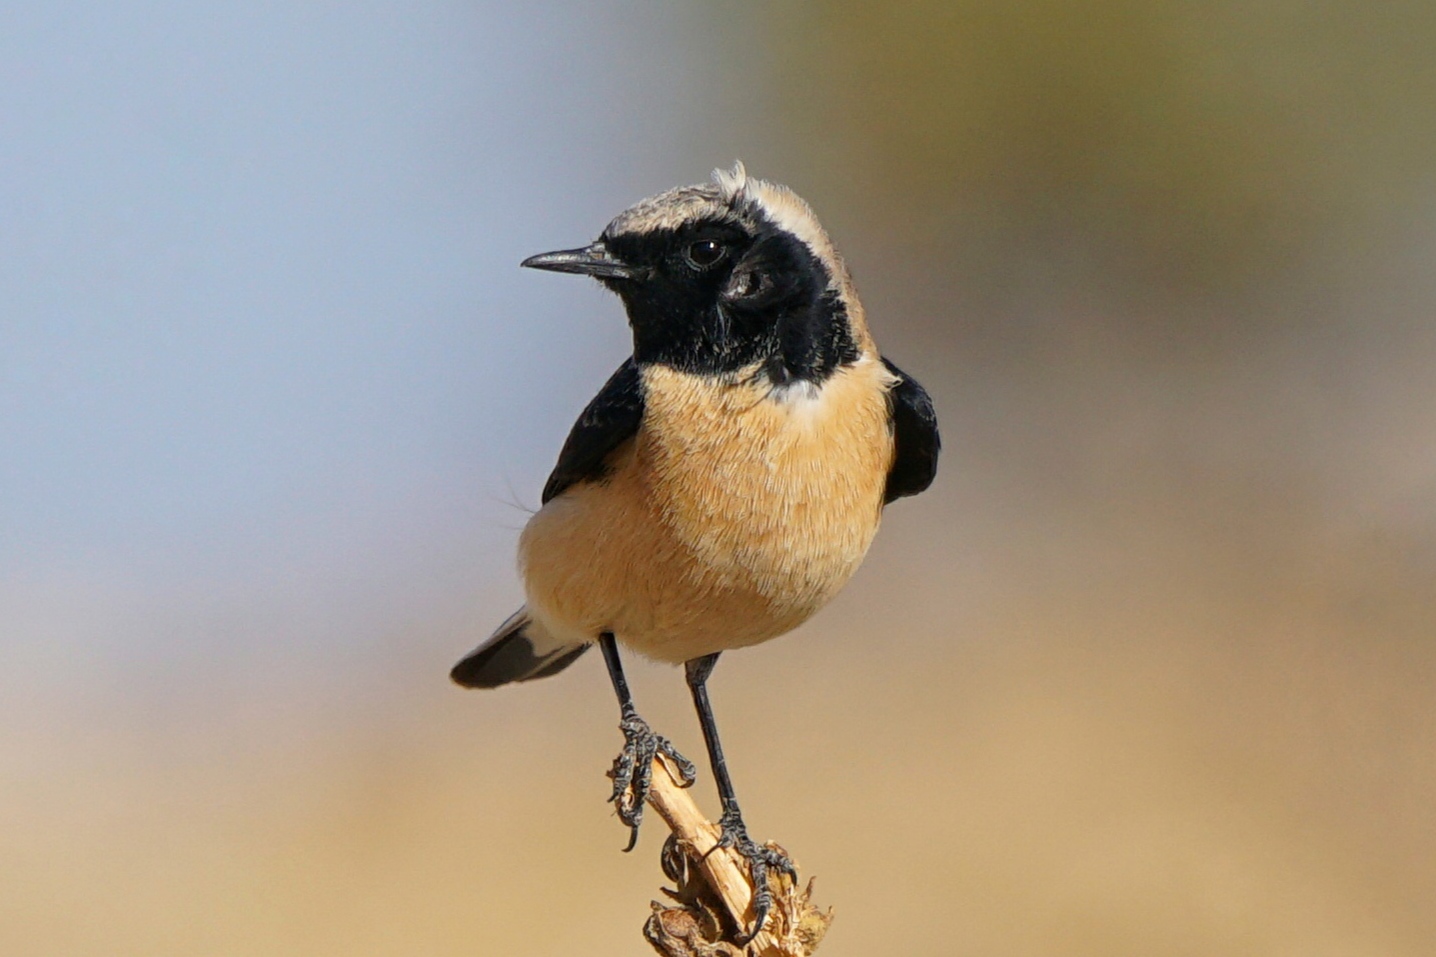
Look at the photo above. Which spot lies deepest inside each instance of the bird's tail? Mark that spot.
(520, 650)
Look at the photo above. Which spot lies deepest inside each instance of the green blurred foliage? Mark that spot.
(1194, 147)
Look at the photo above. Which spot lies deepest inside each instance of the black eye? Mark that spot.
(705, 253)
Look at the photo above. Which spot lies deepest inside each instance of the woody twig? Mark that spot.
(713, 899)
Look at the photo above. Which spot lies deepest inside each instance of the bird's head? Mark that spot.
(729, 277)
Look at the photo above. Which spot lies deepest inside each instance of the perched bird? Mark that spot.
(727, 480)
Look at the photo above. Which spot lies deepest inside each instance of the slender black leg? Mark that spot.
(633, 768)
(735, 833)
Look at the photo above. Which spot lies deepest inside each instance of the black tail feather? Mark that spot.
(513, 654)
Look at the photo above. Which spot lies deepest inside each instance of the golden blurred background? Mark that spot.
(1150, 670)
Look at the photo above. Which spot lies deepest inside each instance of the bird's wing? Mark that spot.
(611, 419)
(915, 439)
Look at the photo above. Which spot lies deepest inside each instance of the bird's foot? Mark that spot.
(760, 858)
(633, 770)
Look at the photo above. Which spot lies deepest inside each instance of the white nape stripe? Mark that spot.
(783, 207)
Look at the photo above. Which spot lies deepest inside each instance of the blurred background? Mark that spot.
(1150, 670)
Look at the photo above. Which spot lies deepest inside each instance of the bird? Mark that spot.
(728, 478)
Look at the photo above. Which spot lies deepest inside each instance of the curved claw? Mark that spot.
(687, 770)
(673, 860)
(760, 858)
(633, 770)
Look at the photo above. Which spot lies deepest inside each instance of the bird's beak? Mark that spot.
(592, 260)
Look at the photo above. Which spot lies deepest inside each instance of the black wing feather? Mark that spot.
(611, 419)
(915, 437)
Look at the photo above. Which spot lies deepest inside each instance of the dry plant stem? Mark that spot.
(725, 870)
(713, 899)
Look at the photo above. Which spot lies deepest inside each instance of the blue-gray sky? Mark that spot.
(264, 344)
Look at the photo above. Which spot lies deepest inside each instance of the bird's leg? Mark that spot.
(633, 768)
(734, 832)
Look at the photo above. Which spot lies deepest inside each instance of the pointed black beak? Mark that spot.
(592, 260)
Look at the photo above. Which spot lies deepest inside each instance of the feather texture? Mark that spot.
(731, 517)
